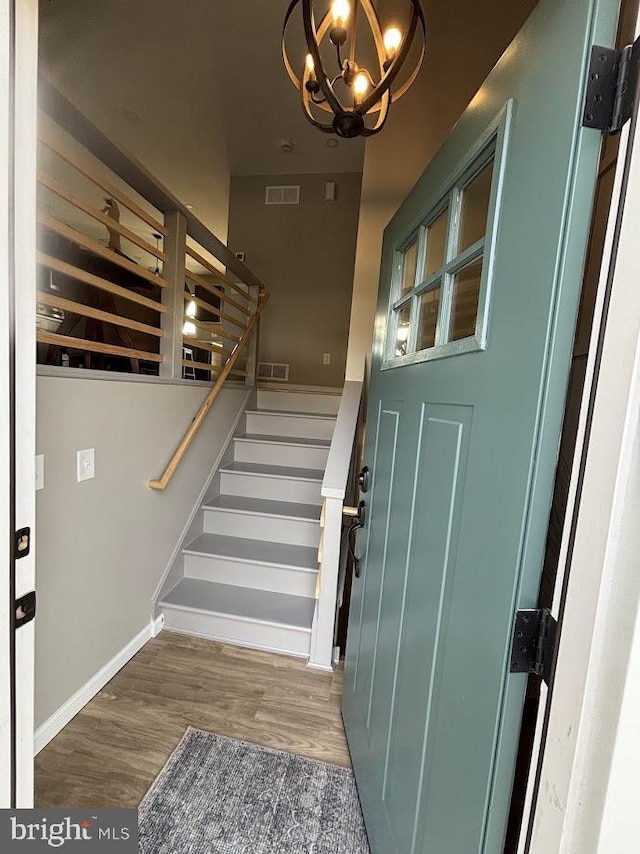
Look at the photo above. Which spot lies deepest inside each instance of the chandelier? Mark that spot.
(358, 97)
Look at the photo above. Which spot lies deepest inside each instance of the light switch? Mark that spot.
(39, 471)
(326, 358)
(86, 464)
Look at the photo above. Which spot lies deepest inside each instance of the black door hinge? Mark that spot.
(612, 85)
(25, 609)
(534, 643)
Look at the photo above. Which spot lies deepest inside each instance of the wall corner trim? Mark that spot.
(68, 710)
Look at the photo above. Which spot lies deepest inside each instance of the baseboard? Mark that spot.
(60, 718)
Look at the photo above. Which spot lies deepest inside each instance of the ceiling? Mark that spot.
(208, 73)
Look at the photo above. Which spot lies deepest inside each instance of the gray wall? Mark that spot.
(305, 255)
(103, 544)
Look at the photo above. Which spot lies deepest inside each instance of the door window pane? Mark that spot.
(475, 208)
(403, 328)
(465, 296)
(409, 266)
(436, 240)
(429, 307)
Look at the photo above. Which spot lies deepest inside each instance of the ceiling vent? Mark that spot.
(273, 371)
(280, 195)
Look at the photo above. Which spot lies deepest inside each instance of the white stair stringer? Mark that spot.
(250, 577)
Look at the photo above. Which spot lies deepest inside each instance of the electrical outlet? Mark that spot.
(39, 471)
(85, 464)
(326, 358)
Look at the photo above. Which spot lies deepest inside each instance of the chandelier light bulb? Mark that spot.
(360, 85)
(340, 11)
(392, 41)
(310, 64)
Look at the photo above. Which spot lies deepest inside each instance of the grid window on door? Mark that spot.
(439, 282)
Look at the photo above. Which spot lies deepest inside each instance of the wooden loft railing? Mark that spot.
(189, 436)
(130, 280)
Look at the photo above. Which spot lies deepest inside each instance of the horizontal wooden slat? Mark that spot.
(96, 313)
(85, 206)
(198, 344)
(97, 248)
(198, 280)
(57, 144)
(221, 333)
(223, 277)
(90, 279)
(207, 307)
(194, 426)
(213, 369)
(95, 346)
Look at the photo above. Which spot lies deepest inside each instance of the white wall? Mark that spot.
(103, 544)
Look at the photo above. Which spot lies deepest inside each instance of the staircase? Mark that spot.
(250, 576)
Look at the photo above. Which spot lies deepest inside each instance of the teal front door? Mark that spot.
(480, 284)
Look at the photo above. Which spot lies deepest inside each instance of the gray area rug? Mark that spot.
(224, 796)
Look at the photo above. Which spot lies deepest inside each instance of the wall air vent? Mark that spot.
(280, 195)
(273, 371)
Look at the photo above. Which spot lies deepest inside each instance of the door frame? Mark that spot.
(18, 95)
(581, 798)
(601, 589)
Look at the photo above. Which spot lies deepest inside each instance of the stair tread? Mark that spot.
(321, 415)
(284, 440)
(265, 507)
(259, 551)
(275, 471)
(280, 608)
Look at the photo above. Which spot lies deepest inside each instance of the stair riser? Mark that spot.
(270, 453)
(295, 582)
(297, 401)
(273, 488)
(235, 630)
(289, 425)
(296, 532)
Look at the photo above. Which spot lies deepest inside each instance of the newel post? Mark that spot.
(253, 345)
(175, 243)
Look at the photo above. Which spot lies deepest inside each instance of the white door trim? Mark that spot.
(591, 741)
(18, 94)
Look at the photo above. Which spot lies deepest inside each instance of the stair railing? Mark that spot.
(129, 279)
(338, 483)
(208, 402)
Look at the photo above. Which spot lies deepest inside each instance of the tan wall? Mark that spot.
(462, 49)
(119, 63)
(305, 255)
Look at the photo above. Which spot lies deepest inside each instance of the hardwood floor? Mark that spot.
(110, 753)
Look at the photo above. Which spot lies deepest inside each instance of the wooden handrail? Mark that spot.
(208, 402)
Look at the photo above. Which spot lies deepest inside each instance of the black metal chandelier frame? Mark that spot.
(318, 89)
